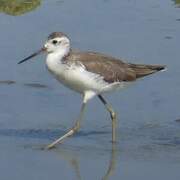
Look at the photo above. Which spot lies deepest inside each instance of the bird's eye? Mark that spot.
(54, 41)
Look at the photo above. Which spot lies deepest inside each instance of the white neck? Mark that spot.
(58, 55)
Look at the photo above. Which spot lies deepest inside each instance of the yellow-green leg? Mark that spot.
(72, 131)
(112, 114)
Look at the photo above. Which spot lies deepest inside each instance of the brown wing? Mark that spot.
(142, 70)
(112, 69)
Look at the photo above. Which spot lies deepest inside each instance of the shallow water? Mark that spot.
(35, 109)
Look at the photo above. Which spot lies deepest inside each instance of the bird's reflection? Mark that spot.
(112, 162)
(73, 160)
(68, 153)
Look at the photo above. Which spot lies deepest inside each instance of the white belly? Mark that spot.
(76, 77)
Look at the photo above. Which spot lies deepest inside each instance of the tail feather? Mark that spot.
(142, 70)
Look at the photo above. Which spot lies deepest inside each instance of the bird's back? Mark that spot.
(112, 69)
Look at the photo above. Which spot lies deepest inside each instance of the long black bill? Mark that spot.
(32, 55)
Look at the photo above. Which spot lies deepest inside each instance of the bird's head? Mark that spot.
(57, 42)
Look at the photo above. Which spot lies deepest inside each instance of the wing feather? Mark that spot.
(111, 69)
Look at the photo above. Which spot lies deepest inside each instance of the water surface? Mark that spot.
(35, 109)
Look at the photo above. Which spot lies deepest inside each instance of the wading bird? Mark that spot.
(89, 73)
